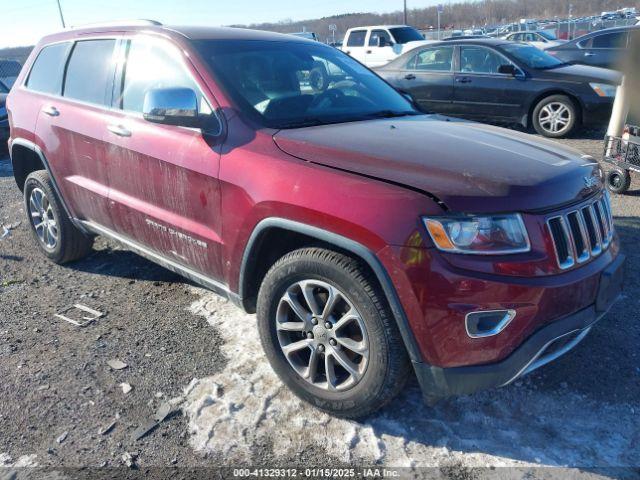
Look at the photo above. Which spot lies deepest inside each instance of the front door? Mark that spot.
(481, 91)
(355, 45)
(166, 194)
(380, 51)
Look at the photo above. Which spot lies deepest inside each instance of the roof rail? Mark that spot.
(121, 23)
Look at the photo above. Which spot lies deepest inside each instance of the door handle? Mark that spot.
(348, 52)
(409, 76)
(119, 130)
(368, 51)
(589, 54)
(51, 111)
(463, 80)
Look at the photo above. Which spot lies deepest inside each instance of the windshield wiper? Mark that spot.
(392, 114)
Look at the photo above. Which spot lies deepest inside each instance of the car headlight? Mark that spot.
(604, 89)
(480, 235)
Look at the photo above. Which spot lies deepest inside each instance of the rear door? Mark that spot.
(604, 50)
(164, 189)
(480, 91)
(355, 45)
(428, 77)
(70, 128)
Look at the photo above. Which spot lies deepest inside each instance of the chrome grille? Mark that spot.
(583, 233)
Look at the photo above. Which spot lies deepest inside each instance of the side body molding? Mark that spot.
(346, 244)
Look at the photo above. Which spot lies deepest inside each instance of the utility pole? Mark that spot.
(61, 15)
(405, 12)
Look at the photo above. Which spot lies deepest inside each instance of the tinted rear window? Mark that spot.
(46, 73)
(356, 39)
(90, 72)
(610, 40)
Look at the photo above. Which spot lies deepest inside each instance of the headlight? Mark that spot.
(481, 235)
(604, 89)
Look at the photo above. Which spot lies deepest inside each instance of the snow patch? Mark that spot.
(246, 405)
(23, 461)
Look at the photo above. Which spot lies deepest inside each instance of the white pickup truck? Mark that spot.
(378, 45)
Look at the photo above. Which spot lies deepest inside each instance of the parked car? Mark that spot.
(4, 119)
(502, 81)
(604, 48)
(370, 238)
(378, 45)
(542, 39)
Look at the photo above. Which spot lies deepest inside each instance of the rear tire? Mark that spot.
(555, 116)
(618, 180)
(314, 366)
(57, 237)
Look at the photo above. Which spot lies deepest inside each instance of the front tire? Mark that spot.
(555, 116)
(57, 237)
(328, 333)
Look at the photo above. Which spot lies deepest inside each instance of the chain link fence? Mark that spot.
(564, 29)
(11, 61)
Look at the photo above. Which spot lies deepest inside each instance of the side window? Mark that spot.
(433, 59)
(152, 64)
(47, 70)
(516, 37)
(90, 72)
(610, 40)
(356, 38)
(480, 60)
(376, 34)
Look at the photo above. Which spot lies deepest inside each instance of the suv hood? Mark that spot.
(469, 166)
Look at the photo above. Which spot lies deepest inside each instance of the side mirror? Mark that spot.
(171, 106)
(508, 70)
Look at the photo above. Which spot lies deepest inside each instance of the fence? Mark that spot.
(565, 29)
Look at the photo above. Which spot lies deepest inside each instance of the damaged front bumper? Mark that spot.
(544, 346)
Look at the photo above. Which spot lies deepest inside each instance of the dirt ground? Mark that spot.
(62, 407)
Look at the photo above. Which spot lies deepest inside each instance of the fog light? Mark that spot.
(488, 323)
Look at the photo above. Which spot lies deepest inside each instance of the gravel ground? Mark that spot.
(189, 349)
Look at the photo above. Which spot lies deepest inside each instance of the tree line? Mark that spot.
(456, 14)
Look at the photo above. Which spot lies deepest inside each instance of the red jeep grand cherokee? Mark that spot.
(281, 173)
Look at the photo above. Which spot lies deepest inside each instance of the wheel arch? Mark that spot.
(27, 157)
(292, 235)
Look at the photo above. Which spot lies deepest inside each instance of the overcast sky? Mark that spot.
(25, 21)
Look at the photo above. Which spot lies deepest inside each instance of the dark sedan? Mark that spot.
(604, 48)
(4, 120)
(505, 82)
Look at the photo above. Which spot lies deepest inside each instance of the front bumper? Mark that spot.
(545, 345)
(597, 112)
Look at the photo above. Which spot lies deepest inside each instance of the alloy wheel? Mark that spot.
(43, 219)
(322, 335)
(555, 117)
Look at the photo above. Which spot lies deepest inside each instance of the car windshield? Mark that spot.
(295, 84)
(548, 35)
(532, 57)
(406, 34)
